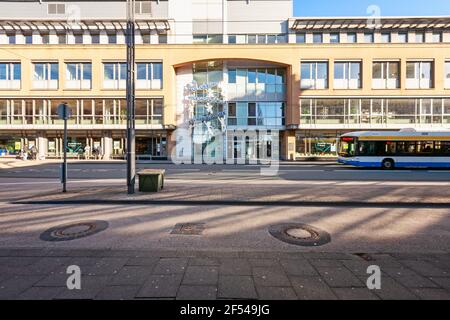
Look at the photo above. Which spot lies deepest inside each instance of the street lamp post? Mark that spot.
(131, 125)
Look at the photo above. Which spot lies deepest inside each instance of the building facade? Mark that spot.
(215, 80)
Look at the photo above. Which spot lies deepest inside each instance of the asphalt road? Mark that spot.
(288, 171)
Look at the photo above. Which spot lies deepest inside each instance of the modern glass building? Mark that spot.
(216, 80)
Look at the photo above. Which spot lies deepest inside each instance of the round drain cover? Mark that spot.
(74, 230)
(300, 234)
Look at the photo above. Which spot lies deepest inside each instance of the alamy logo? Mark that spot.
(374, 280)
(374, 20)
(74, 280)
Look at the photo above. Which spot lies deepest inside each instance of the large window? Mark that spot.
(115, 75)
(347, 75)
(257, 83)
(149, 111)
(149, 75)
(78, 75)
(385, 75)
(314, 75)
(267, 114)
(10, 75)
(401, 111)
(45, 75)
(419, 75)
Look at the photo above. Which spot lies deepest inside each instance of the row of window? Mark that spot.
(94, 37)
(84, 112)
(369, 37)
(314, 75)
(257, 38)
(375, 111)
(147, 37)
(385, 75)
(241, 38)
(79, 75)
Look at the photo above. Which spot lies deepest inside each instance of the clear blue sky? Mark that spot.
(359, 7)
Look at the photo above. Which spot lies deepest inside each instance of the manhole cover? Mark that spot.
(300, 234)
(74, 230)
(188, 228)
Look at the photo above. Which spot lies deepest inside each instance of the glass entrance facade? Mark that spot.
(246, 97)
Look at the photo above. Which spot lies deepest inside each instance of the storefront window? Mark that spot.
(141, 111)
(401, 111)
(98, 111)
(158, 111)
(29, 114)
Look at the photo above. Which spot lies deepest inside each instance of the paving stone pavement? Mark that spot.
(40, 274)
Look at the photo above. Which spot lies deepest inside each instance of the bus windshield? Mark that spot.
(347, 147)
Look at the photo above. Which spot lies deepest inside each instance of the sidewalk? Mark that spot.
(122, 274)
(261, 191)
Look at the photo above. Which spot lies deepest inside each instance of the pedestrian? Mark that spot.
(87, 151)
(94, 153)
(100, 153)
(33, 153)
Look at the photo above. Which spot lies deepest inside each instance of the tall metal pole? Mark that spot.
(131, 128)
(64, 170)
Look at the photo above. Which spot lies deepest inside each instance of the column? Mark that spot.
(42, 145)
(107, 145)
(288, 145)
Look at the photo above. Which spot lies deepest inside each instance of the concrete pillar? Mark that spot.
(288, 145)
(107, 146)
(42, 146)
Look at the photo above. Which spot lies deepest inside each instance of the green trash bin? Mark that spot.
(151, 180)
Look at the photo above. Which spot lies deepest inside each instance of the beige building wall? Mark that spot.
(173, 56)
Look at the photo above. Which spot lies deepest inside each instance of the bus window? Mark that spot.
(347, 147)
(425, 147)
(390, 147)
(406, 147)
(366, 148)
(442, 148)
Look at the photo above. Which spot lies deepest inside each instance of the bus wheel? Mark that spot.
(387, 164)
